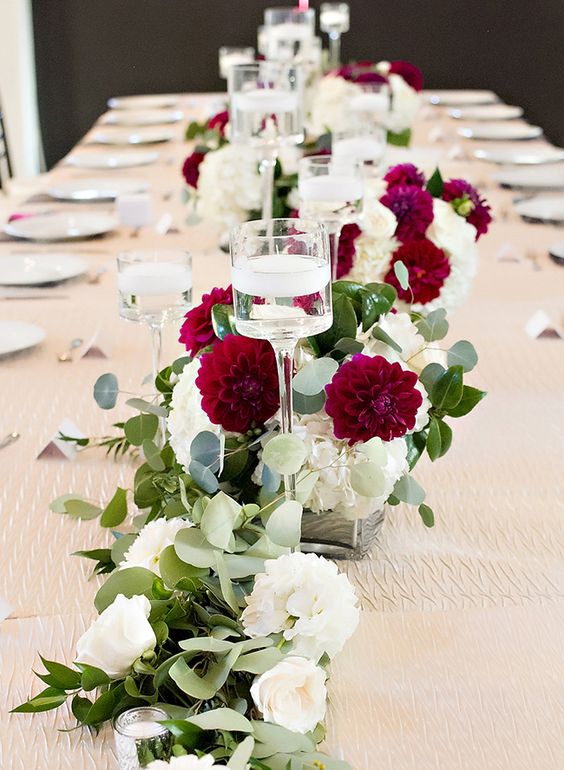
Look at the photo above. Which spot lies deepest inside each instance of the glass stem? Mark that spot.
(156, 340)
(284, 352)
(334, 236)
(267, 166)
(334, 49)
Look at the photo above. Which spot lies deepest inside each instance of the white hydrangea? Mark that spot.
(416, 352)
(153, 538)
(406, 103)
(229, 186)
(308, 600)
(333, 459)
(186, 417)
(186, 762)
(457, 237)
(329, 106)
(372, 258)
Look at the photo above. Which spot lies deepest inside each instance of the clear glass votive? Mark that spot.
(365, 143)
(140, 739)
(334, 17)
(287, 29)
(229, 56)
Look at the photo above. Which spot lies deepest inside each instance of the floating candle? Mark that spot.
(153, 278)
(280, 275)
(265, 100)
(362, 148)
(143, 729)
(370, 102)
(330, 187)
(228, 60)
(333, 19)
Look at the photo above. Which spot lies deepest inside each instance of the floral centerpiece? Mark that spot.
(402, 80)
(431, 226)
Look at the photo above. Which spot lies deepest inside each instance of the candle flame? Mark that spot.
(303, 5)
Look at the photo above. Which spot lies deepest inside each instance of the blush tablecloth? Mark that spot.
(457, 662)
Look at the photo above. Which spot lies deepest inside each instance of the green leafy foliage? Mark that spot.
(435, 184)
(116, 510)
(401, 273)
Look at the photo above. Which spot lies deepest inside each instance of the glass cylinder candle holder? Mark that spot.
(370, 103)
(365, 143)
(140, 739)
(288, 31)
(229, 56)
(334, 20)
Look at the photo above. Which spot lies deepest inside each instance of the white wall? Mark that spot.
(18, 86)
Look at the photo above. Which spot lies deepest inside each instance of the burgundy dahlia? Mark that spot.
(239, 383)
(413, 209)
(370, 397)
(428, 269)
(218, 122)
(405, 173)
(191, 168)
(361, 72)
(467, 202)
(347, 247)
(196, 333)
(409, 72)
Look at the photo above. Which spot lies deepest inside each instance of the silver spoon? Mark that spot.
(9, 439)
(67, 355)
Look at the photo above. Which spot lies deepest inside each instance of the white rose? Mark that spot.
(185, 762)
(305, 597)
(378, 221)
(187, 418)
(153, 538)
(119, 636)
(292, 694)
(405, 105)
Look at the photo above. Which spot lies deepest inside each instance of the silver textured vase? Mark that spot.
(331, 534)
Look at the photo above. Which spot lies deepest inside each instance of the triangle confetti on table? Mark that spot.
(59, 449)
(508, 252)
(99, 346)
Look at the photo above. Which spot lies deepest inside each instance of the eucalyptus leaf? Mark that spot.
(368, 479)
(152, 455)
(206, 449)
(409, 491)
(402, 274)
(374, 449)
(192, 547)
(464, 354)
(144, 406)
(314, 376)
(131, 581)
(240, 757)
(120, 548)
(433, 326)
(141, 427)
(82, 509)
(284, 454)
(203, 477)
(272, 739)
(173, 569)
(379, 334)
(430, 374)
(222, 719)
(225, 582)
(284, 525)
(106, 391)
(348, 345)
(308, 404)
(219, 519)
(427, 515)
(270, 479)
(116, 510)
(259, 661)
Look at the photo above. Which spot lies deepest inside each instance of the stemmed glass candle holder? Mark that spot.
(154, 287)
(331, 190)
(281, 277)
(229, 56)
(370, 103)
(288, 30)
(334, 20)
(265, 113)
(365, 143)
(140, 739)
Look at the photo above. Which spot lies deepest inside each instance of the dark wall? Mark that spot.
(89, 50)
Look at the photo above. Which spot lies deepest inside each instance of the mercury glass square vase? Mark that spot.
(331, 534)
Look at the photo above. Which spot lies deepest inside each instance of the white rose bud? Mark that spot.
(185, 762)
(119, 636)
(292, 694)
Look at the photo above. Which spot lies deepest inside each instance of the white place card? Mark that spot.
(437, 134)
(164, 223)
(540, 326)
(99, 346)
(5, 609)
(456, 152)
(59, 449)
(135, 209)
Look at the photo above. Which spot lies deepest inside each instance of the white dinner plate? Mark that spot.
(36, 269)
(17, 335)
(143, 135)
(542, 208)
(532, 177)
(101, 160)
(503, 131)
(100, 189)
(61, 227)
(141, 117)
(460, 98)
(487, 112)
(556, 251)
(520, 157)
(145, 102)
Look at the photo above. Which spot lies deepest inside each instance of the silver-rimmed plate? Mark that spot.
(61, 227)
(520, 157)
(503, 131)
(98, 189)
(141, 117)
(143, 102)
(38, 269)
(487, 112)
(18, 335)
(143, 135)
(542, 208)
(532, 177)
(448, 97)
(111, 160)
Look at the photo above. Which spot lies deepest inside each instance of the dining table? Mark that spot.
(457, 661)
